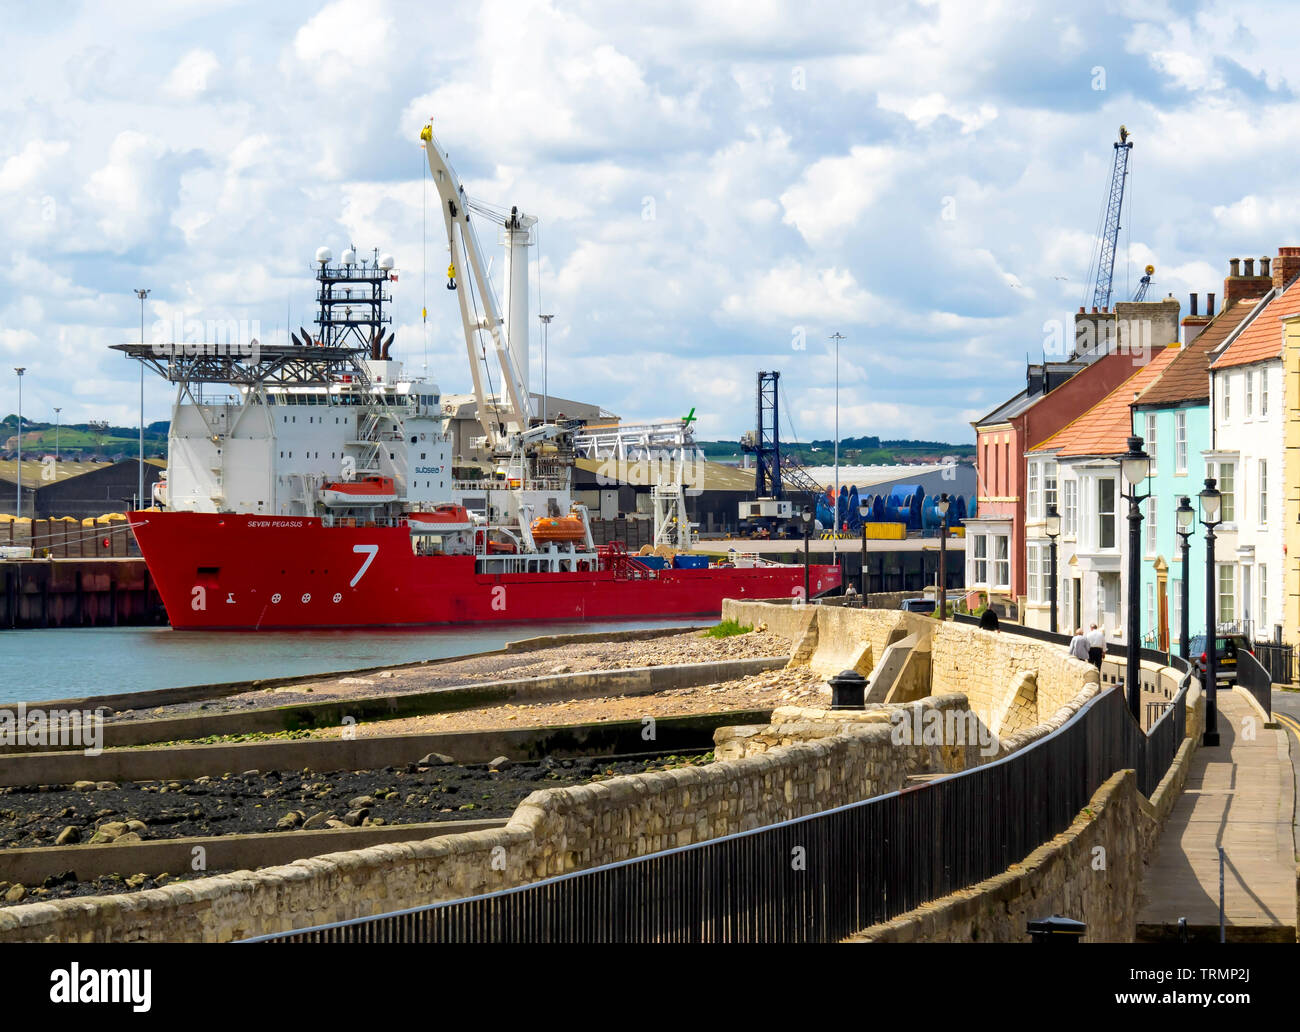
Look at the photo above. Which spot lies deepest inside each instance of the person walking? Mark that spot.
(1079, 645)
(1096, 646)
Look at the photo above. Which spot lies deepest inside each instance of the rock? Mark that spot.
(318, 820)
(361, 802)
(436, 759)
(59, 879)
(136, 880)
(251, 774)
(111, 830)
(353, 818)
(502, 763)
(128, 839)
(68, 836)
(15, 893)
(335, 824)
(377, 822)
(355, 680)
(563, 668)
(138, 827)
(83, 786)
(105, 786)
(467, 806)
(289, 821)
(162, 879)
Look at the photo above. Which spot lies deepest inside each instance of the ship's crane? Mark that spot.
(509, 417)
(1110, 227)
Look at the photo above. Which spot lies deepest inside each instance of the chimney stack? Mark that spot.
(1263, 266)
(1193, 322)
(1286, 267)
(1241, 285)
(1234, 267)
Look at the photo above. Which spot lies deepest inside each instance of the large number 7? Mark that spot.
(369, 551)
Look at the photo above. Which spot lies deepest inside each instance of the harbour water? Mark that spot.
(72, 662)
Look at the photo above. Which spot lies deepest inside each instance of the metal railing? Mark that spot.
(817, 878)
(1277, 659)
(1255, 679)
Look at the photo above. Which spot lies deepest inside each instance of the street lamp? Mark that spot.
(546, 333)
(1053, 526)
(1136, 467)
(139, 498)
(56, 441)
(1186, 516)
(942, 507)
(864, 510)
(18, 503)
(807, 517)
(1210, 499)
(837, 337)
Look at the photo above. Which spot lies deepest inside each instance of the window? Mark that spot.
(1049, 486)
(1263, 596)
(1250, 393)
(1106, 513)
(1034, 486)
(1263, 492)
(1151, 437)
(1228, 512)
(1070, 515)
(1151, 606)
(1002, 562)
(1175, 609)
(1180, 442)
(1263, 392)
(1033, 587)
(1227, 594)
(1247, 597)
(1225, 398)
(982, 559)
(1153, 525)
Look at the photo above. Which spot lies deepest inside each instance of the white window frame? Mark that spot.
(1070, 510)
(1103, 515)
(1263, 392)
(1051, 485)
(1225, 398)
(1262, 573)
(1152, 525)
(1152, 442)
(980, 559)
(1225, 614)
(1263, 493)
(1180, 442)
(1001, 561)
(1250, 393)
(1033, 589)
(1034, 492)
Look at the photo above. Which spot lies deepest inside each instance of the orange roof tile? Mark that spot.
(1262, 339)
(1188, 376)
(1106, 427)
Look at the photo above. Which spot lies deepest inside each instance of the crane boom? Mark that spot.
(1110, 231)
(463, 241)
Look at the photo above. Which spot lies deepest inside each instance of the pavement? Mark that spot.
(1240, 795)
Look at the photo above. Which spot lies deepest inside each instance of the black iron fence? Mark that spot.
(817, 878)
(1277, 659)
(1255, 679)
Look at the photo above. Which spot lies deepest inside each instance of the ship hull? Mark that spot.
(226, 571)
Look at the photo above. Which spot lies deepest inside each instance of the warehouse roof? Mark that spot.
(706, 476)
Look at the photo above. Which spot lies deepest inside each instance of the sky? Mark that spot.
(720, 187)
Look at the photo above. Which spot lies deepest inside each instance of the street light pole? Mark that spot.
(1136, 468)
(139, 498)
(56, 441)
(546, 333)
(1210, 499)
(942, 597)
(864, 510)
(1185, 515)
(18, 501)
(1053, 532)
(837, 337)
(807, 517)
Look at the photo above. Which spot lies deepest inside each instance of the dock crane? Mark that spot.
(1143, 283)
(1110, 228)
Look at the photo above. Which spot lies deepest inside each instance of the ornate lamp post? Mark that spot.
(1136, 467)
(1186, 516)
(941, 506)
(864, 510)
(18, 466)
(1210, 500)
(807, 517)
(1053, 532)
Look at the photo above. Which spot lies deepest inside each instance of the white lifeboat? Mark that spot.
(442, 519)
(361, 492)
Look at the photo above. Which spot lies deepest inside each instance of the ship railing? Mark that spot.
(333, 520)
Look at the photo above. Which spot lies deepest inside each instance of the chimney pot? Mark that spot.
(1081, 311)
(1263, 265)
(1193, 307)
(1209, 304)
(1094, 309)
(1234, 267)
(1250, 266)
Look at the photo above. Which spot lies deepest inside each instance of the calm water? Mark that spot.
(71, 662)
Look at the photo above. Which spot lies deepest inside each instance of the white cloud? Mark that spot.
(834, 193)
(192, 75)
(345, 38)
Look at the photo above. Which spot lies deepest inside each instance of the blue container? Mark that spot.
(691, 562)
(655, 562)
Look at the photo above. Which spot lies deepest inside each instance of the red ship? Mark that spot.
(225, 571)
(322, 493)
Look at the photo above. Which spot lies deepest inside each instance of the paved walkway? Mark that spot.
(1239, 795)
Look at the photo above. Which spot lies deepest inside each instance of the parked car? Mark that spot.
(918, 605)
(1227, 646)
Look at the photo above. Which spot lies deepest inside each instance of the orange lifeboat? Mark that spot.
(365, 491)
(444, 519)
(559, 530)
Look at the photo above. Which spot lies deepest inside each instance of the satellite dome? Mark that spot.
(324, 254)
(348, 257)
(385, 261)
